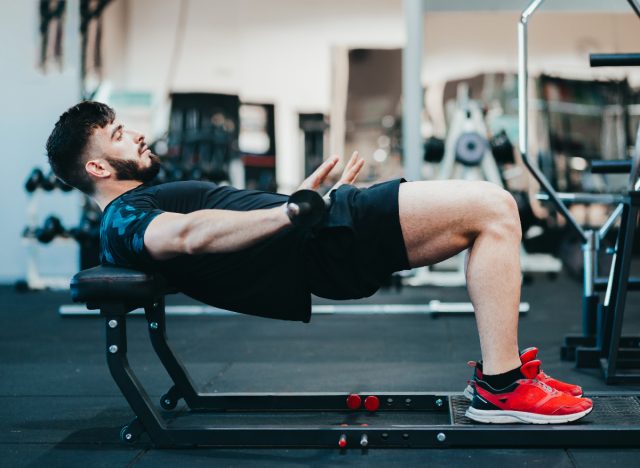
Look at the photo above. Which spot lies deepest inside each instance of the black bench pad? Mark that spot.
(115, 284)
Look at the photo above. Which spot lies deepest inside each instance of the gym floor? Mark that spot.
(60, 406)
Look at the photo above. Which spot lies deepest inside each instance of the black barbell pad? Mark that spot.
(611, 166)
(614, 60)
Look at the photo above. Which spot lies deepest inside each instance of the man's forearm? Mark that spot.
(212, 231)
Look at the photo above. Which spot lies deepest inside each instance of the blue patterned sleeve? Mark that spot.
(122, 235)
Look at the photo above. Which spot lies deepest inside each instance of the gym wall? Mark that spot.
(31, 103)
(464, 43)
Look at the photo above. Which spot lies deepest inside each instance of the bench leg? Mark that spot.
(124, 376)
(183, 385)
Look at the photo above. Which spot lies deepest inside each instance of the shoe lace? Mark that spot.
(544, 386)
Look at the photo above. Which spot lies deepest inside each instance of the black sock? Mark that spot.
(499, 381)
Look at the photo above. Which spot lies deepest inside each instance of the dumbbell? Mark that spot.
(501, 148)
(51, 228)
(49, 182)
(34, 180)
(307, 208)
(433, 149)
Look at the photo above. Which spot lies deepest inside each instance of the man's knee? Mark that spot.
(500, 212)
(493, 210)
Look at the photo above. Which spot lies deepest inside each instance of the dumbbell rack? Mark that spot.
(34, 279)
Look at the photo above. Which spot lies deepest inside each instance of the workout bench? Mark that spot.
(368, 419)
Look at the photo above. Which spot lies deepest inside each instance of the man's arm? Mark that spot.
(211, 231)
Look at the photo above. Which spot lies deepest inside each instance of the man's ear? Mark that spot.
(98, 168)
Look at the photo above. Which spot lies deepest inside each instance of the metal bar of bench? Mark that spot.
(185, 388)
(455, 432)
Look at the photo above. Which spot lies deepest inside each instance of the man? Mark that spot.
(238, 249)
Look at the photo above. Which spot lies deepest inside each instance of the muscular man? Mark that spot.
(238, 249)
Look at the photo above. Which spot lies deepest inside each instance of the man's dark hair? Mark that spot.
(69, 138)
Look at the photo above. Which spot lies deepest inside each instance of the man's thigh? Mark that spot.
(441, 218)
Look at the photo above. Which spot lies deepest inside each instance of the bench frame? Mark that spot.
(459, 432)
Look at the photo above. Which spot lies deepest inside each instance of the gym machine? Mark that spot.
(202, 140)
(601, 344)
(340, 420)
(256, 168)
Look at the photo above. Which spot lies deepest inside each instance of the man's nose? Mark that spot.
(137, 136)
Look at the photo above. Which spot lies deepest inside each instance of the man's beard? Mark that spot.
(130, 170)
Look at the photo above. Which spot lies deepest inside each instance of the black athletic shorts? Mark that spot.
(358, 245)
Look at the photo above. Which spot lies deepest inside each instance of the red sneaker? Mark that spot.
(526, 401)
(527, 355)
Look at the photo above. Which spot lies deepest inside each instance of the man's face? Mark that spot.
(125, 151)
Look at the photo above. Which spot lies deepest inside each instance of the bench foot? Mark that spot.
(169, 400)
(131, 433)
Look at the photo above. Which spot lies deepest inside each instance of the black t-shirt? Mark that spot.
(266, 279)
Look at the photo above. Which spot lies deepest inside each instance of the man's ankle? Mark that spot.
(504, 379)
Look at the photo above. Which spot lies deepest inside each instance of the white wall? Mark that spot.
(31, 103)
(519, 5)
(458, 44)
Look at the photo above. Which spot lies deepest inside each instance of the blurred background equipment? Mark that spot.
(314, 130)
(600, 344)
(38, 234)
(468, 153)
(51, 31)
(373, 112)
(257, 146)
(202, 137)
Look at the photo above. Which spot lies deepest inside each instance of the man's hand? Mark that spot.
(349, 175)
(351, 170)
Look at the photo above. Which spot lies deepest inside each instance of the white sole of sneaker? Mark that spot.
(508, 417)
(468, 392)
